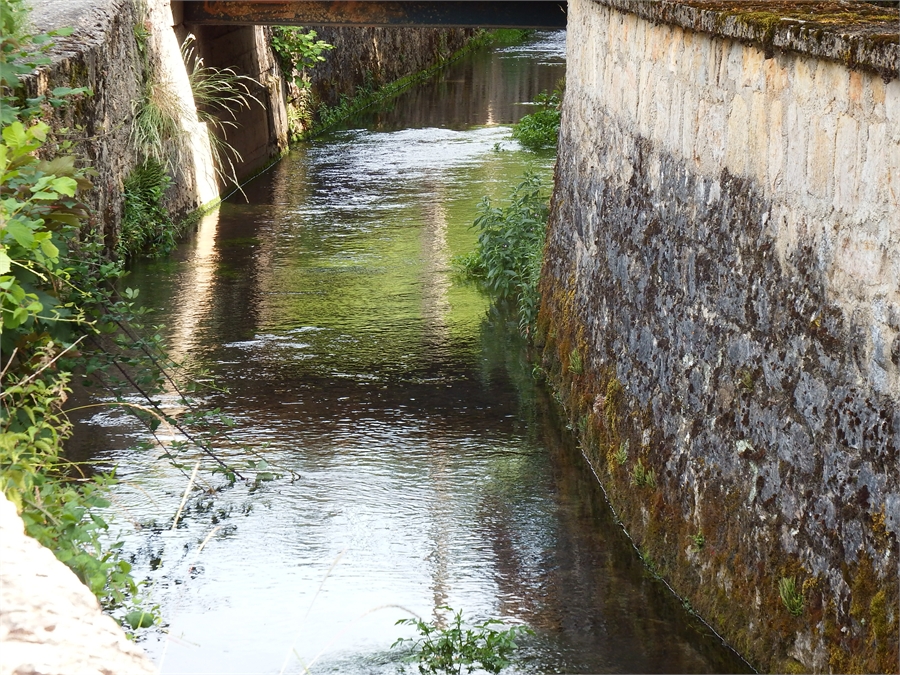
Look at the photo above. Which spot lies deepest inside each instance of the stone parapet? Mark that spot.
(856, 34)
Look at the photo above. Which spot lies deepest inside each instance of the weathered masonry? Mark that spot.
(721, 310)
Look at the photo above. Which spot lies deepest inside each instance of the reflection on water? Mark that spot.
(431, 471)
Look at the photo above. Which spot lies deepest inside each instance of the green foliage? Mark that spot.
(540, 129)
(146, 224)
(51, 301)
(507, 259)
(698, 541)
(449, 650)
(790, 596)
(298, 51)
(642, 476)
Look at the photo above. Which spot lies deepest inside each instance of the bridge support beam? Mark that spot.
(445, 13)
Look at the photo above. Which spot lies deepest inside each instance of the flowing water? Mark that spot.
(428, 467)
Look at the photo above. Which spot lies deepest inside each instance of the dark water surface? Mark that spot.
(431, 470)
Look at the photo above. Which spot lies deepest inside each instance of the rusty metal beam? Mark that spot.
(442, 13)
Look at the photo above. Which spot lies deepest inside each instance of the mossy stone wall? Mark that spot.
(721, 317)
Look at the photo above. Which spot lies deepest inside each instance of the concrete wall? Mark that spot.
(261, 129)
(724, 259)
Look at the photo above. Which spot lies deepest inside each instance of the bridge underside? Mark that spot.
(444, 13)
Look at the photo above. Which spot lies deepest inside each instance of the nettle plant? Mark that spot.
(506, 261)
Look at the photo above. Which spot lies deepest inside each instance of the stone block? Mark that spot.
(752, 69)
(820, 158)
(892, 107)
(846, 162)
(879, 153)
(803, 79)
(688, 104)
(798, 127)
(776, 147)
(738, 136)
(832, 86)
(775, 72)
(758, 147)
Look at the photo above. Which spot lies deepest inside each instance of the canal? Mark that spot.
(417, 462)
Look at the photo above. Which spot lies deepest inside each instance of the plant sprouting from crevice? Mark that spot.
(790, 596)
(641, 476)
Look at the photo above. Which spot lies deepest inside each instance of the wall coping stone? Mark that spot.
(857, 34)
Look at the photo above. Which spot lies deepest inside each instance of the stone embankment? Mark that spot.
(50, 623)
(722, 309)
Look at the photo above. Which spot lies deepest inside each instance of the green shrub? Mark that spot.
(507, 259)
(540, 129)
(298, 50)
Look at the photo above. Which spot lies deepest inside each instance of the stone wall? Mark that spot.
(721, 313)
(379, 56)
(104, 54)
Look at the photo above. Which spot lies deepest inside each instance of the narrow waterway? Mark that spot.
(428, 468)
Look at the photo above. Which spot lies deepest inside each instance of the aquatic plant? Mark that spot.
(540, 129)
(506, 261)
(449, 650)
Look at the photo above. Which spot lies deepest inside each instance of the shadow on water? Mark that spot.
(431, 465)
